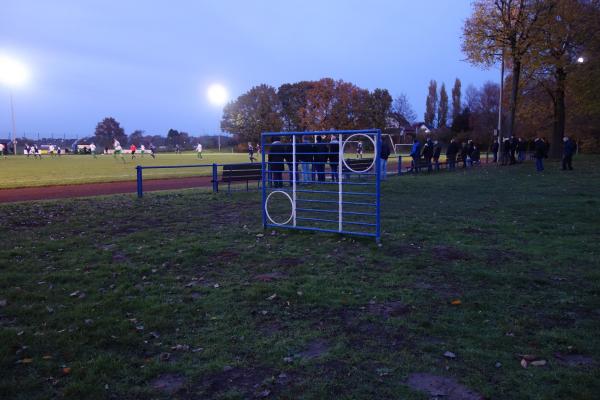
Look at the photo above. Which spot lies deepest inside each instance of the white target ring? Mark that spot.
(267, 207)
(343, 151)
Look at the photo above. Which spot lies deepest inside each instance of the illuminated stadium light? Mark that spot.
(12, 72)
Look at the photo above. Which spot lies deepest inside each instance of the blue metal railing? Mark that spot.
(214, 173)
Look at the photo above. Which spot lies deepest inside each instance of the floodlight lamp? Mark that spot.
(12, 72)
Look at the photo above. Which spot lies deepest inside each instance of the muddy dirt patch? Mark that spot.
(314, 349)
(249, 382)
(270, 276)
(448, 253)
(575, 360)
(440, 386)
(226, 256)
(168, 383)
(388, 310)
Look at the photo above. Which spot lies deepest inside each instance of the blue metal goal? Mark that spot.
(325, 181)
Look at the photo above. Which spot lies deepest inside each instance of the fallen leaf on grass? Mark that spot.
(524, 363)
(456, 302)
(66, 370)
(538, 363)
(272, 297)
(25, 361)
(47, 357)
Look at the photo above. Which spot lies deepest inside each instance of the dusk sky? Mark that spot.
(148, 64)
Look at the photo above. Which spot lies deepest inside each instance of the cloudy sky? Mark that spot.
(148, 64)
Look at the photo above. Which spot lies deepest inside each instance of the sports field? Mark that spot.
(20, 171)
(486, 285)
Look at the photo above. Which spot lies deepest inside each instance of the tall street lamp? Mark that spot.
(12, 74)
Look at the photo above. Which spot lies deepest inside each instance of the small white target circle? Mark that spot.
(267, 207)
(343, 151)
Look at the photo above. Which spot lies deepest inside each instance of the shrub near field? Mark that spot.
(183, 295)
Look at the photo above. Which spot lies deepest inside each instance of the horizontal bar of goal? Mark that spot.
(336, 211)
(354, 203)
(326, 183)
(334, 221)
(334, 192)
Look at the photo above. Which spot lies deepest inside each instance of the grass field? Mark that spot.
(21, 171)
(183, 295)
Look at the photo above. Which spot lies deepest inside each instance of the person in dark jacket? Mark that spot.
(475, 155)
(470, 146)
(288, 157)
(428, 153)
(415, 154)
(451, 153)
(569, 149)
(521, 147)
(505, 152)
(304, 154)
(513, 150)
(540, 153)
(275, 162)
(334, 157)
(494, 149)
(320, 159)
(464, 153)
(437, 151)
(383, 158)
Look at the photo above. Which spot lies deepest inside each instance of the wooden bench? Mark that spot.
(245, 172)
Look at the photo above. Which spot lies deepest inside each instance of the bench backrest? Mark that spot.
(242, 172)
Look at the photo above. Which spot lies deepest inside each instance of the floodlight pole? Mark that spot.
(14, 129)
(498, 155)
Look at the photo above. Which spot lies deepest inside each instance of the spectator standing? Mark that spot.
(513, 150)
(451, 153)
(383, 159)
(288, 157)
(475, 155)
(428, 153)
(276, 163)
(505, 151)
(540, 154)
(437, 151)
(521, 147)
(569, 148)
(415, 154)
(304, 152)
(320, 159)
(470, 147)
(464, 153)
(334, 157)
(494, 148)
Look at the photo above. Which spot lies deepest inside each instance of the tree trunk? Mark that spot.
(559, 113)
(514, 93)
